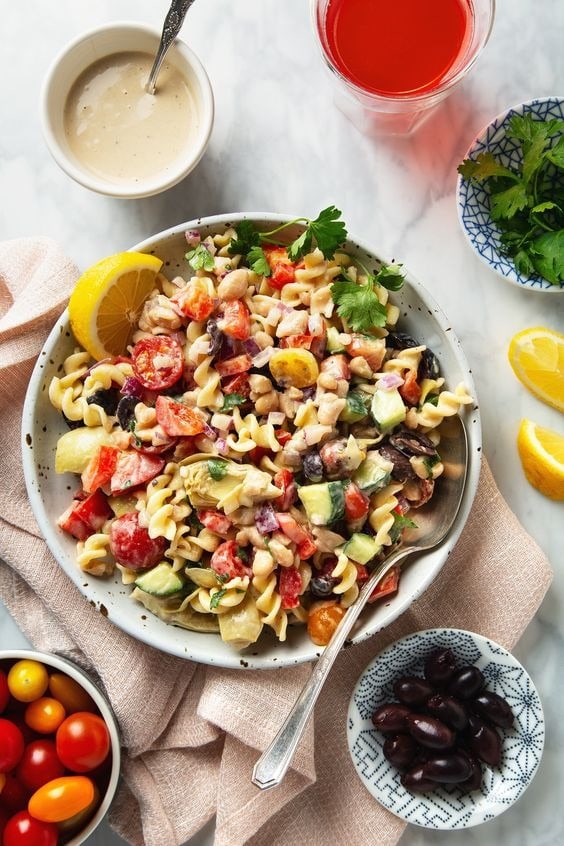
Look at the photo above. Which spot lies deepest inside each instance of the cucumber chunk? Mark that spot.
(334, 345)
(374, 473)
(324, 503)
(361, 548)
(388, 409)
(160, 581)
(355, 409)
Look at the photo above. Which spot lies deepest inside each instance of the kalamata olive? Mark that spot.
(449, 710)
(216, 337)
(448, 769)
(429, 367)
(106, 398)
(126, 411)
(413, 443)
(430, 732)
(466, 682)
(475, 779)
(312, 467)
(494, 708)
(483, 741)
(412, 690)
(416, 781)
(402, 469)
(400, 751)
(439, 666)
(400, 341)
(391, 717)
(322, 586)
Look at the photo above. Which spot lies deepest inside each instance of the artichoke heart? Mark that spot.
(235, 486)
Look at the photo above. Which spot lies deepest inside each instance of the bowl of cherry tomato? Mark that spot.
(59, 751)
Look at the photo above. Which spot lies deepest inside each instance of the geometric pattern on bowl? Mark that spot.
(522, 745)
(473, 199)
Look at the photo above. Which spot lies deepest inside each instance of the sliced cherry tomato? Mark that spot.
(289, 587)
(410, 391)
(362, 573)
(282, 269)
(131, 545)
(70, 694)
(94, 510)
(177, 419)
(306, 549)
(45, 715)
(215, 522)
(284, 480)
(300, 341)
(389, 584)
(24, 830)
(236, 320)
(237, 385)
(11, 745)
(226, 562)
(14, 795)
(83, 742)
(4, 691)
(257, 454)
(282, 436)
(371, 349)
(61, 798)
(194, 301)
(336, 366)
(306, 545)
(356, 503)
(133, 469)
(39, 764)
(158, 361)
(233, 366)
(73, 525)
(27, 680)
(100, 469)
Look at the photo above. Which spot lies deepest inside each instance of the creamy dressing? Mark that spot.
(117, 130)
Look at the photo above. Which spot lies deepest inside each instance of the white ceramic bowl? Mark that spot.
(49, 494)
(89, 48)
(522, 745)
(62, 665)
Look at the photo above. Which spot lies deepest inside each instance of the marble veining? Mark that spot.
(280, 145)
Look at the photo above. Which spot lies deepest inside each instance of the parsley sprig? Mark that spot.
(528, 203)
(358, 305)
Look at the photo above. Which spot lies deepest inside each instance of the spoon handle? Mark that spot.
(272, 765)
(171, 27)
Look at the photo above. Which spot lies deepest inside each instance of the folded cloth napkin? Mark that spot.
(191, 734)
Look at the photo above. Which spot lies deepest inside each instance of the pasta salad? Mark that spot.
(263, 441)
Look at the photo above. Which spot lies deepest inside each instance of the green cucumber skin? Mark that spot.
(324, 502)
(361, 548)
(165, 582)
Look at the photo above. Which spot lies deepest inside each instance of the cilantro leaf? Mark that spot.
(506, 204)
(231, 400)
(217, 468)
(258, 262)
(390, 277)
(200, 258)
(483, 167)
(526, 128)
(328, 231)
(547, 255)
(247, 237)
(358, 305)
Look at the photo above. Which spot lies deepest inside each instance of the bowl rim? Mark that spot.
(234, 660)
(70, 668)
(148, 187)
(534, 284)
(479, 640)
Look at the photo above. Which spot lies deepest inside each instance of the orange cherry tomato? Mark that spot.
(27, 680)
(70, 694)
(45, 715)
(75, 824)
(61, 798)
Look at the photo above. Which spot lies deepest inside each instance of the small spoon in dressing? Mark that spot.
(171, 27)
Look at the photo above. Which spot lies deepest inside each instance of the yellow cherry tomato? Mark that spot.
(61, 798)
(27, 680)
(70, 694)
(2, 781)
(45, 715)
(295, 367)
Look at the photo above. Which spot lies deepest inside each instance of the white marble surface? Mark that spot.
(280, 145)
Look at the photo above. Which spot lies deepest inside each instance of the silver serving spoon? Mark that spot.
(433, 525)
(171, 27)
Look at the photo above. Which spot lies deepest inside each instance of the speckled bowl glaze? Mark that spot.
(522, 745)
(473, 200)
(49, 494)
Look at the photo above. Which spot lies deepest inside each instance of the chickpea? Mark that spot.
(259, 384)
(234, 285)
(266, 402)
(322, 621)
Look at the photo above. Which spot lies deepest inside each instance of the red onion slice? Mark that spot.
(193, 237)
(390, 381)
(263, 357)
(265, 519)
(132, 387)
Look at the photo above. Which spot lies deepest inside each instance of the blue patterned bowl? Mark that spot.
(474, 199)
(522, 745)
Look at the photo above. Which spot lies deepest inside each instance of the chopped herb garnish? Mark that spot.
(258, 261)
(400, 523)
(231, 400)
(217, 468)
(200, 258)
(358, 304)
(216, 597)
(222, 577)
(194, 523)
(243, 554)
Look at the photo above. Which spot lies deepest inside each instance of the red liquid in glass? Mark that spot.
(397, 47)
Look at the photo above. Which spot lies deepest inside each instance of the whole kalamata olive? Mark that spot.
(475, 779)
(483, 741)
(400, 751)
(494, 708)
(216, 337)
(312, 466)
(412, 690)
(391, 717)
(106, 398)
(448, 769)
(439, 666)
(400, 341)
(416, 781)
(322, 586)
(449, 710)
(466, 682)
(429, 367)
(430, 732)
(126, 411)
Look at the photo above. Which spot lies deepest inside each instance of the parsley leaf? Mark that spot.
(216, 597)
(483, 167)
(400, 523)
(556, 153)
(247, 237)
(258, 262)
(200, 258)
(217, 468)
(547, 255)
(508, 203)
(358, 305)
(328, 231)
(390, 277)
(231, 400)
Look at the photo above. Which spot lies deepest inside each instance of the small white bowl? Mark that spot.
(522, 745)
(81, 54)
(62, 665)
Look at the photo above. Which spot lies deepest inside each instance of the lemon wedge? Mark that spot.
(537, 357)
(542, 455)
(107, 300)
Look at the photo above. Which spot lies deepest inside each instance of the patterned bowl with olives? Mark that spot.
(460, 719)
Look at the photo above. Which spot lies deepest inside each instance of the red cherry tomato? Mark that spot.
(23, 830)
(100, 469)
(217, 523)
(226, 562)
(133, 469)
(39, 764)
(131, 545)
(284, 480)
(236, 320)
(233, 366)
(83, 742)
(283, 270)
(389, 584)
(11, 745)
(194, 301)
(61, 798)
(14, 795)
(410, 391)
(4, 691)
(4, 817)
(177, 419)
(356, 503)
(289, 585)
(158, 361)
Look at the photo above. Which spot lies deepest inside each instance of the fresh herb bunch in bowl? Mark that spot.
(511, 195)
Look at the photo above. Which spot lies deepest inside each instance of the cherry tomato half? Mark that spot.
(83, 742)
(39, 764)
(61, 798)
(23, 830)
(11, 745)
(45, 715)
(70, 694)
(158, 361)
(4, 691)
(27, 680)
(131, 544)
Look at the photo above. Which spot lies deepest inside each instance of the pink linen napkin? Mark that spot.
(192, 734)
